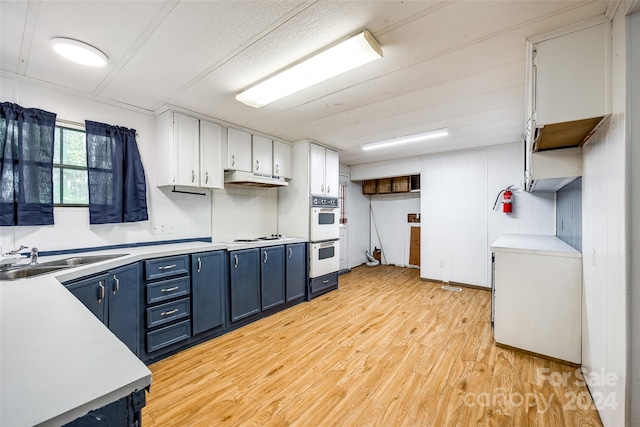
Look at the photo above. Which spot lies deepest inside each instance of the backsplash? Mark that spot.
(240, 212)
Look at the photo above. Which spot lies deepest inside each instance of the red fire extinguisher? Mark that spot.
(507, 200)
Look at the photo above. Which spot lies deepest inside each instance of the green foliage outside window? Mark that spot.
(70, 185)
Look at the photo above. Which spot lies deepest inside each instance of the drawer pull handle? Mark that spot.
(325, 281)
(169, 313)
(175, 288)
(236, 260)
(167, 267)
(290, 252)
(116, 288)
(101, 296)
(266, 257)
(199, 265)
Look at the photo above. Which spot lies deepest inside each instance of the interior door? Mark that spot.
(344, 231)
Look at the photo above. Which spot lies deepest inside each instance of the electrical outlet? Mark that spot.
(161, 228)
(441, 264)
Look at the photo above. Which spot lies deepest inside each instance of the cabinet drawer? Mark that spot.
(324, 282)
(166, 267)
(167, 289)
(165, 313)
(168, 335)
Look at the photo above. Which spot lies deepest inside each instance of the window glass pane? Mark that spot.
(75, 187)
(56, 186)
(74, 148)
(56, 147)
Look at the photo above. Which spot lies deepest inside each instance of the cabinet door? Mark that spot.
(262, 155)
(211, 175)
(316, 170)
(331, 173)
(572, 76)
(93, 293)
(124, 304)
(296, 269)
(186, 149)
(272, 276)
(244, 275)
(207, 280)
(282, 160)
(238, 150)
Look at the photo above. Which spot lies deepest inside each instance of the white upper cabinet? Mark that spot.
(211, 172)
(571, 76)
(323, 171)
(238, 150)
(282, 160)
(262, 155)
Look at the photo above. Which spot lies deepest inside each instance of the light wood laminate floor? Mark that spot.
(385, 349)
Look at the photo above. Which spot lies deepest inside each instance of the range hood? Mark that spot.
(253, 180)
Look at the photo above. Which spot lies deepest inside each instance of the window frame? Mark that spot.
(60, 127)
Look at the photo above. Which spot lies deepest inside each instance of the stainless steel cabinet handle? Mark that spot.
(328, 189)
(266, 257)
(169, 313)
(322, 187)
(257, 165)
(101, 296)
(233, 160)
(206, 177)
(199, 265)
(290, 252)
(325, 281)
(167, 267)
(193, 176)
(116, 288)
(277, 168)
(236, 260)
(175, 288)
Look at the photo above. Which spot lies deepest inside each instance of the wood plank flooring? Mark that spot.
(386, 349)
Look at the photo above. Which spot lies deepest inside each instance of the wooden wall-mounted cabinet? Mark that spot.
(399, 184)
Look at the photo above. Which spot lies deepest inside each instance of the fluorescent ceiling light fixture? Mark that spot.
(408, 139)
(79, 52)
(351, 53)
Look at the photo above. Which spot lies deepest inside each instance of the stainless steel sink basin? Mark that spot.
(22, 273)
(80, 260)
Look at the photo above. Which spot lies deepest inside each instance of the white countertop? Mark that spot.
(534, 244)
(57, 360)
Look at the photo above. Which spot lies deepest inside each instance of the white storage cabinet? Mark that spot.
(323, 171)
(238, 150)
(262, 155)
(282, 160)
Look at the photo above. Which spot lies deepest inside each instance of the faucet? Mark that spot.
(34, 256)
(15, 251)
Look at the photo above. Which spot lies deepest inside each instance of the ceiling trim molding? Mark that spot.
(633, 7)
(569, 29)
(74, 92)
(612, 9)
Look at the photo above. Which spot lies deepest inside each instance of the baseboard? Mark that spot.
(459, 284)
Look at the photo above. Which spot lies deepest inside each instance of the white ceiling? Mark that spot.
(455, 64)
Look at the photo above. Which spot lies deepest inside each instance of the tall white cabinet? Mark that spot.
(188, 151)
(323, 171)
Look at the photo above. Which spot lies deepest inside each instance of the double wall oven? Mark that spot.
(324, 234)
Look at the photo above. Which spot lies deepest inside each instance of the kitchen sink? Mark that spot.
(79, 260)
(22, 273)
(25, 271)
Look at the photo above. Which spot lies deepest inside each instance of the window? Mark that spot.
(70, 185)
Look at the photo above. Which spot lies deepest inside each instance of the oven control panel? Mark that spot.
(328, 202)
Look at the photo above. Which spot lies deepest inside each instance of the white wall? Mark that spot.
(358, 223)
(458, 190)
(604, 314)
(391, 232)
(241, 212)
(189, 216)
(386, 169)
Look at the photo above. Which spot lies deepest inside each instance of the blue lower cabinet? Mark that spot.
(208, 280)
(272, 276)
(244, 283)
(296, 271)
(114, 298)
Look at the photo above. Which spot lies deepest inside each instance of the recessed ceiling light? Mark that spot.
(79, 52)
(437, 133)
(351, 53)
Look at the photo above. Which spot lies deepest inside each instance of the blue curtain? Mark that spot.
(26, 168)
(117, 186)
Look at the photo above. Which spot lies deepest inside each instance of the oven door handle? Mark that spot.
(327, 244)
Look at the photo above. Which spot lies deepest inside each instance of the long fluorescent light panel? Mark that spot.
(345, 56)
(408, 139)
